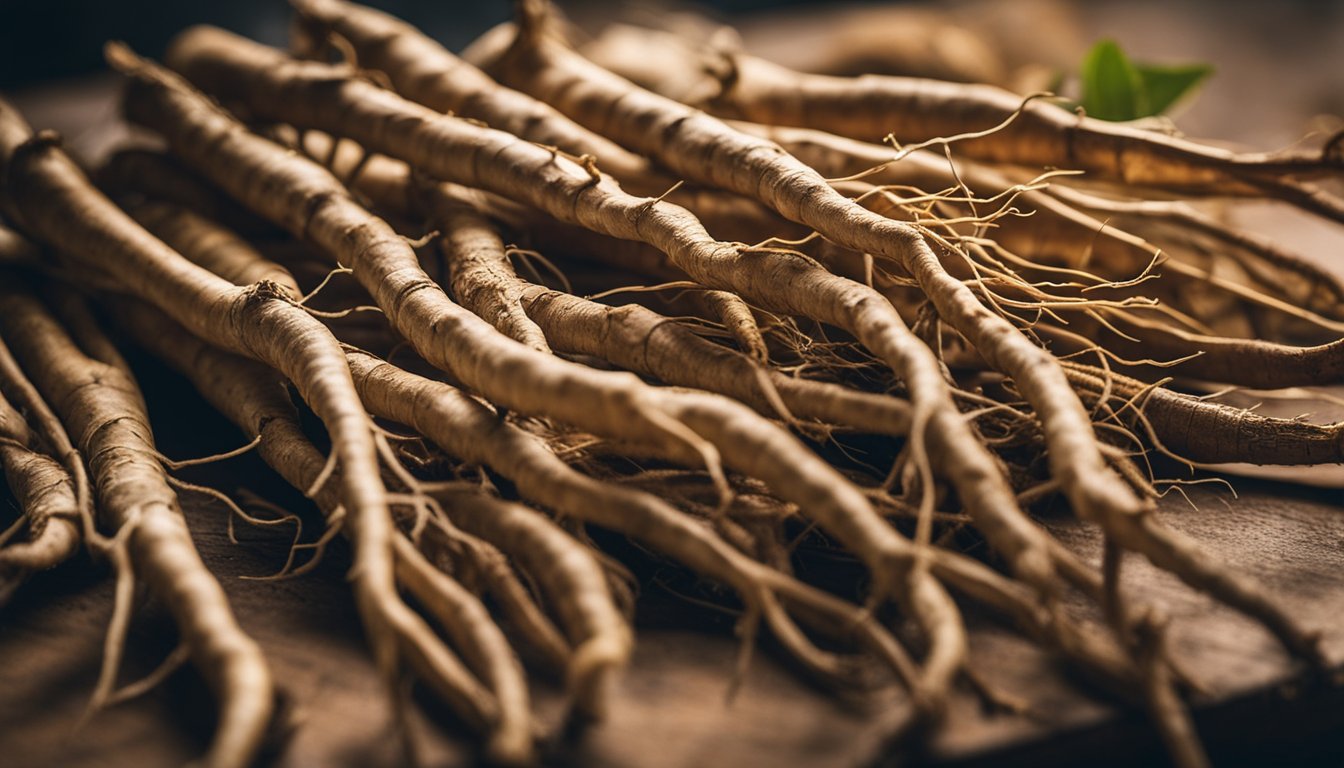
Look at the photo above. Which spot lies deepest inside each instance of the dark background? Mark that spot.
(46, 39)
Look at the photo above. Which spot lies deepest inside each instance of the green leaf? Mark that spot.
(1164, 85)
(1112, 86)
(1115, 88)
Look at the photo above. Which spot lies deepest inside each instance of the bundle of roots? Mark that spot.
(878, 316)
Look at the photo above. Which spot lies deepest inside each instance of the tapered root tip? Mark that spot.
(1035, 567)
(120, 57)
(511, 748)
(913, 728)
(247, 710)
(306, 28)
(1332, 153)
(592, 674)
(318, 10)
(534, 18)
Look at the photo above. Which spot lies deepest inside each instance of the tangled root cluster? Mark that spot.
(741, 317)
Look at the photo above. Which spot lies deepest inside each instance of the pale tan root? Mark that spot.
(1210, 433)
(156, 176)
(496, 366)
(102, 406)
(702, 148)
(527, 172)
(46, 497)
(424, 71)
(915, 110)
(213, 248)
(49, 197)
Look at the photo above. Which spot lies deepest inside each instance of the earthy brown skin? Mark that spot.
(1144, 339)
(985, 585)
(1063, 231)
(870, 107)
(393, 255)
(709, 151)
(1077, 233)
(47, 195)
(634, 337)
(1180, 737)
(1231, 359)
(478, 157)
(157, 176)
(465, 428)
(697, 146)
(16, 250)
(469, 430)
(705, 150)
(915, 42)
(1212, 433)
(573, 582)
(913, 110)
(475, 434)
(38, 414)
(641, 340)
(1061, 234)
(735, 315)
(551, 71)
(1240, 362)
(564, 568)
(1156, 674)
(45, 493)
(424, 71)
(211, 246)
(307, 199)
(481, 282)
(465, 619)
(256, 400)
(1284, 298)
(395, 131)
(392, 191)
(1313, 296)
(102, 406)
(734, 218)
(362, 136)
(472, 232)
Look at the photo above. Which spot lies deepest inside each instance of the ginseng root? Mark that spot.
(102, 405)
(684, 426)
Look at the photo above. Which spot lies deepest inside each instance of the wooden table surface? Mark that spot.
(671, 708)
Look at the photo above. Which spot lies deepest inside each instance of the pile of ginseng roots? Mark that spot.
(735, 315)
